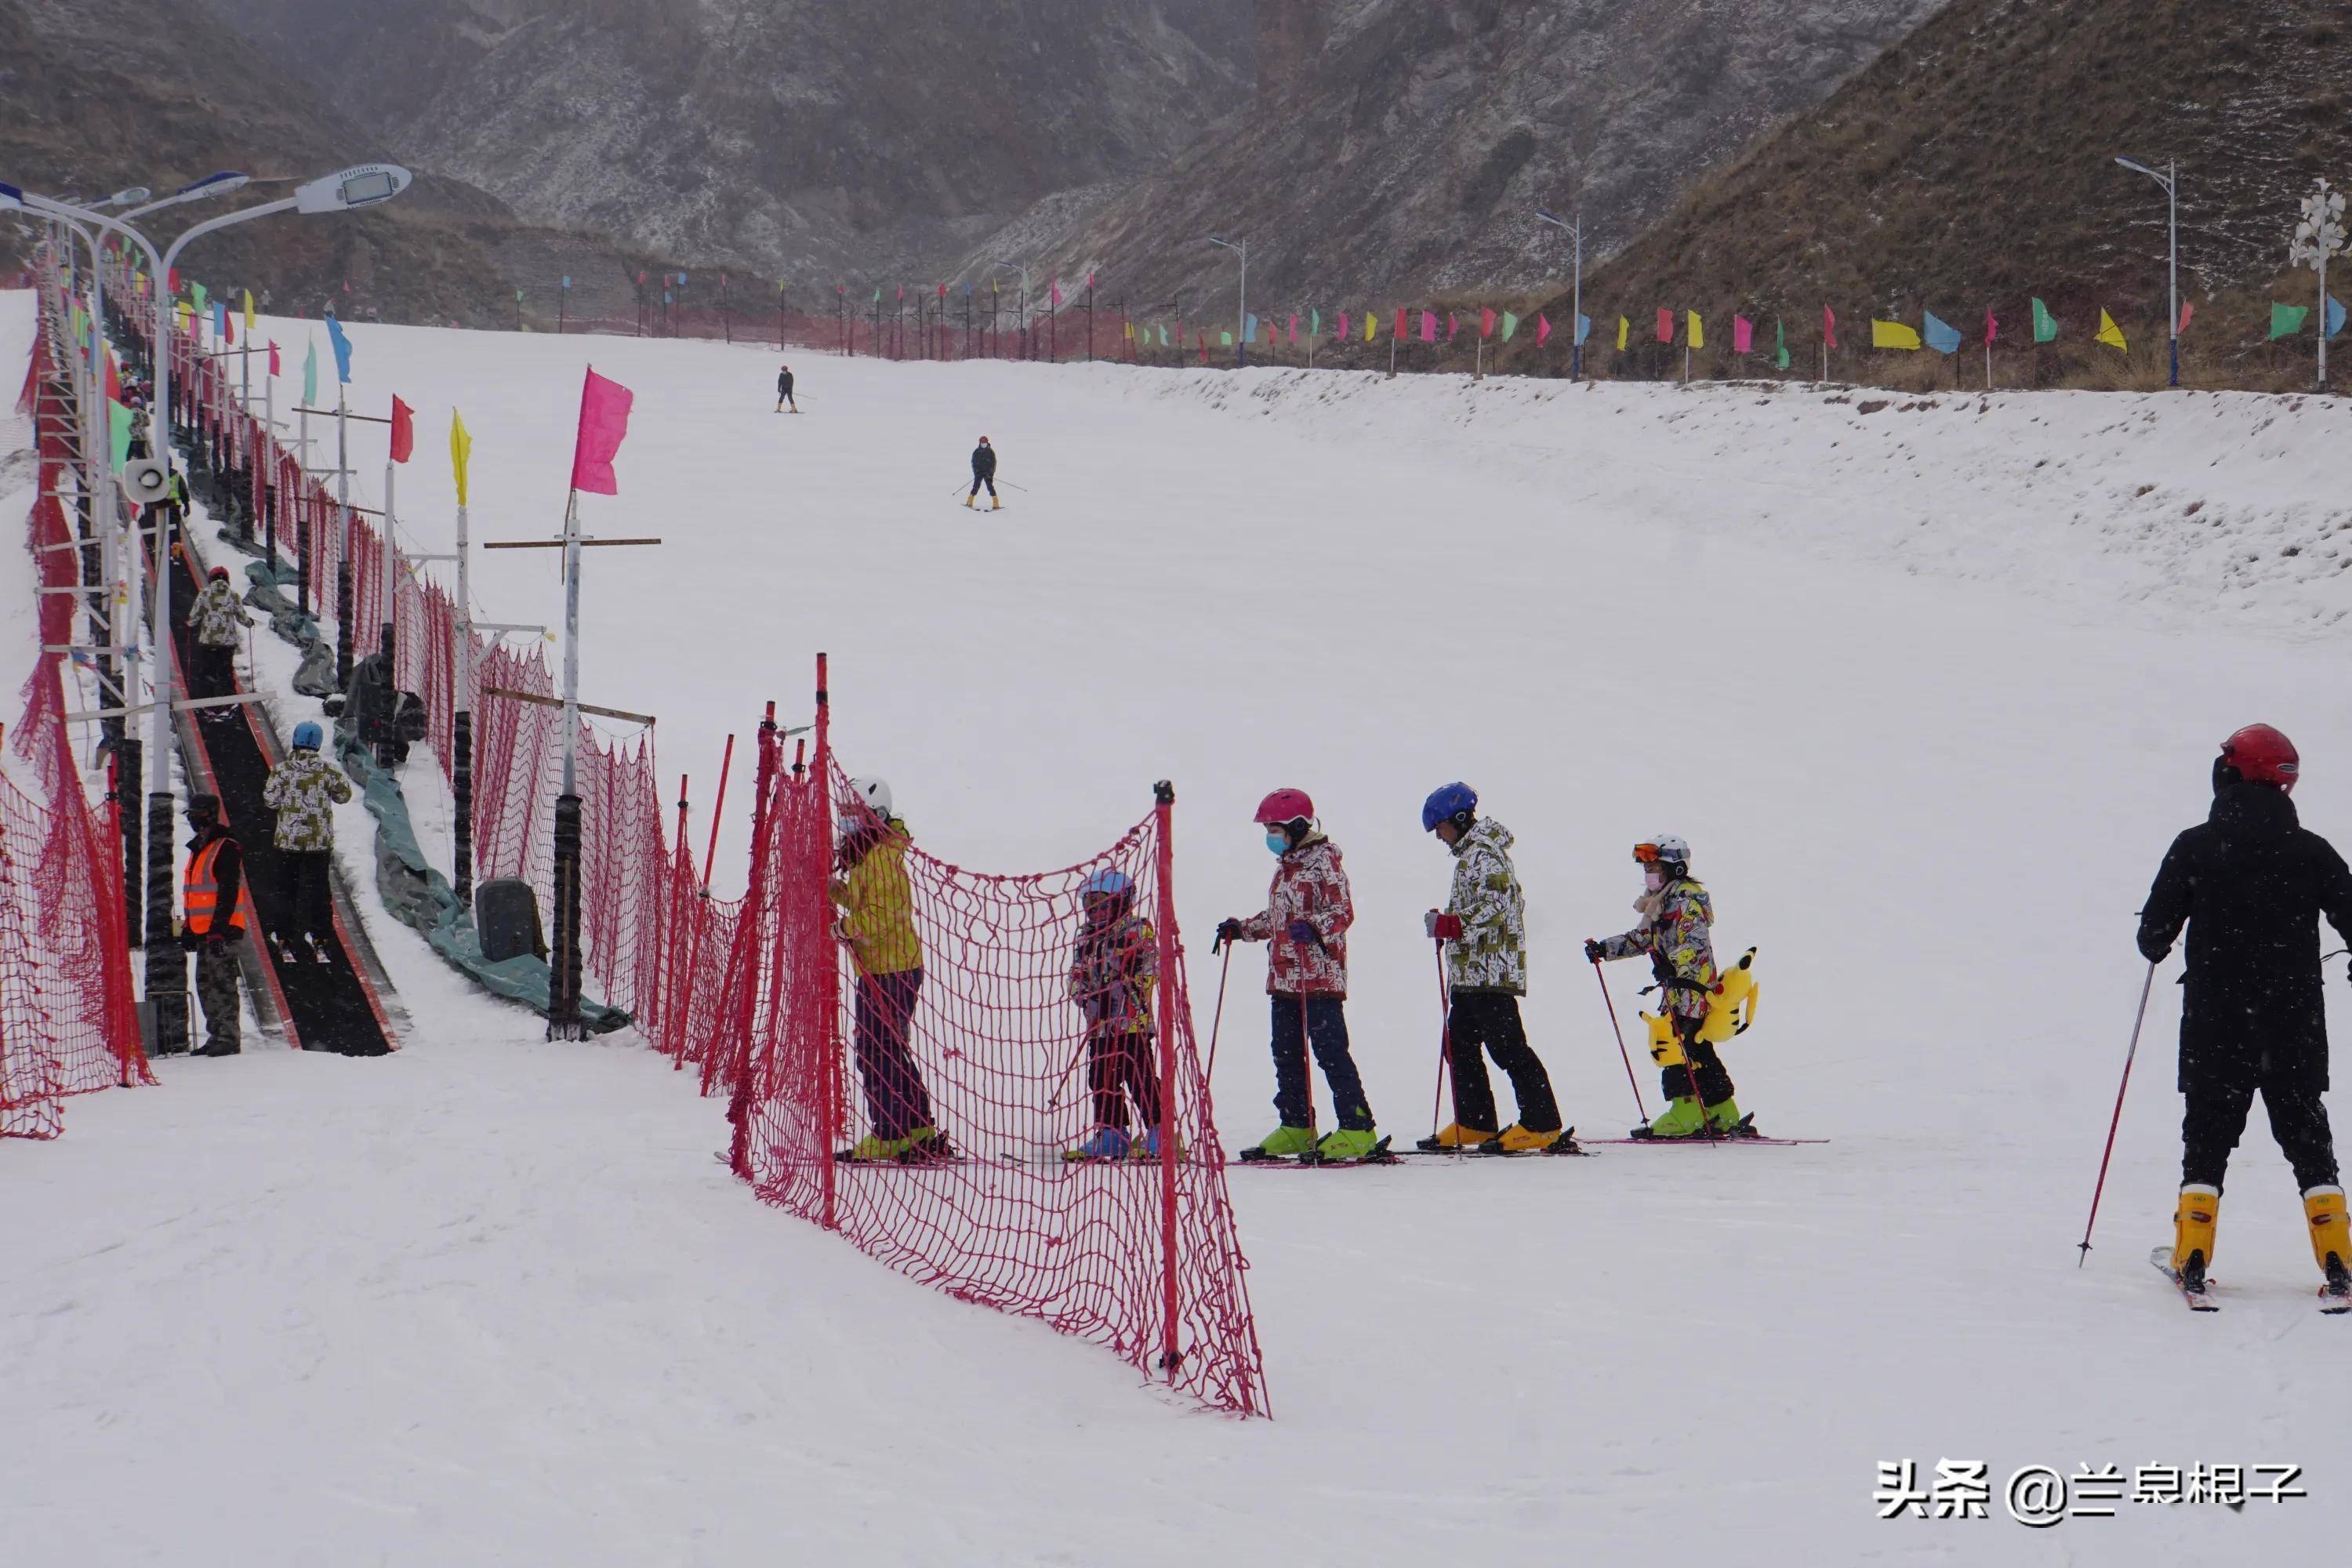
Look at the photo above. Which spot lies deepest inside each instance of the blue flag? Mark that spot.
(567, 280)
(1941, 336)
(342, 347)
(220, 319)
(1583, 328)
(2334, 317)
(1249, 330)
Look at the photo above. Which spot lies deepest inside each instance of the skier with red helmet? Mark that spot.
(1308, 914)
(2251, 884)
(983, 472)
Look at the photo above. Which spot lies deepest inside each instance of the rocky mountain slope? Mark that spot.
(800, 139)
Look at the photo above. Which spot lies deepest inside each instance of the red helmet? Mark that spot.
(217, 571)
(1284, 806)
(2262, 755)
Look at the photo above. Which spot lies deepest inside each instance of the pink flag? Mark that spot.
(1666, 325)
(1743, 334)
(1452, 325)
(2188, 308)
(604, 421)
(1829, 326)
(273, 356)
(1343, 326)
(403, 430)
(1294, 324)
(1993, 326)
(1090, 280)
(1429, 326)
(1400, 321)
(902, 294)
(943, 291)
(1543, 329)
(1487, 321)
(1053, 286)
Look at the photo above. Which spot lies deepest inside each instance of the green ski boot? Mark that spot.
(1682, 1118)
(1724, 1116)
(1349, 1145)
(1282, 1143)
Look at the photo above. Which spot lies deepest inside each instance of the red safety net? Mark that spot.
(1016, 1017)
(69, 1022)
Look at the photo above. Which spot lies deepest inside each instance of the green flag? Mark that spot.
(2287, 319)
(2045, 326)
(310, 377)
(118, 429)
(1780, 344)
(1164, 335)
(877, 296)
(1225, 339)
(1510, 325)
(1314, 322)
(196, 291)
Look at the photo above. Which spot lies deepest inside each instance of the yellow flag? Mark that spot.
(248, 309)
(1369, 322)
(461, 447)
(2111, 334)
(1893, 336)
(1697, 333)
(180, 313)
(1623, 327)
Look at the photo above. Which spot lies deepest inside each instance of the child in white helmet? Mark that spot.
(1675, 931)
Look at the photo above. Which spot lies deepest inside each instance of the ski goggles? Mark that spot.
(1648, 854)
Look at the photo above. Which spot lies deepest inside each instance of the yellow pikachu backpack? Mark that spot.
(1730, 1009)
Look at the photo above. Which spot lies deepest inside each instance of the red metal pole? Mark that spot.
(2083, 1252)
(674, 1023)
(1171, 1354)
(726, 761)
(829, 992)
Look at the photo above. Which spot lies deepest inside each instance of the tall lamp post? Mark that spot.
(1575, 231)
(1015, 266)
(361, 186)
(1241, 313)
(2317, 236)
(2169, 179)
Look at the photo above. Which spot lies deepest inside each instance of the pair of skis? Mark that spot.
(1380, 1154)
(2331, 1303)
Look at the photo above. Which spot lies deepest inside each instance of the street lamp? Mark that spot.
(1576, 311)
(362, 185)
(1024, 304)
(2170, 181)
(219, 184)
(1241, 314)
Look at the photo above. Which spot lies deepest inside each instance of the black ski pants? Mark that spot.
(896, 1101)
(2216, 1118)
(1326, 1024)
(310, 898)
(1714, 1082)
(1488, 1021)
(980, 479)
(1121, 1067)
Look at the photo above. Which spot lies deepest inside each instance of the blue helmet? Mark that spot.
(1107, 883)
(307, 736)
(1444, 801)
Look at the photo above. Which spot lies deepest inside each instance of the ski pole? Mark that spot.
(2083, 1251)
(1009, 484)
(1444, 1043)
(1620, 1033)
(1217, 1020)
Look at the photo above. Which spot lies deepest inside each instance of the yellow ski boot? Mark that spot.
(2322, 1207)
(1453, 1135)
(2193, 1224)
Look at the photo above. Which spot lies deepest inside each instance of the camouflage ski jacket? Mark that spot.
(217, 616)
(1491, 955)
(1310, 885)
(304, 791)
(1111, 971)
(1676, 932)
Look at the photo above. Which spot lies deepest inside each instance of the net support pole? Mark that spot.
(462, 722)
(1172, 1354)
(740, 1096)
(343, 556)
(829, 967)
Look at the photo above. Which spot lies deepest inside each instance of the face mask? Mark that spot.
(1276, 843)
(1653, 878)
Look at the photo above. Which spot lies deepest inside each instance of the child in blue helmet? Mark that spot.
(304, 791)
(1113, 967)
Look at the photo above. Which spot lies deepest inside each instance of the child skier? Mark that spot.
(218, 621)
(1306, 917)
(304, 791)
(1676, 915)
(784, 390)
(2250, 883)
(1483, 929)
(1112, 967)
(983, 472)
(877, 925)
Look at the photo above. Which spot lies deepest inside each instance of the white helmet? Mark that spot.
(874, 794)
(1665, 848)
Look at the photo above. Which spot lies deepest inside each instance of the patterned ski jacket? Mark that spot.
(1309, 884)
(304, 791)
(216, 615)
(1492, 952)
(1112, 968)
(877, 905)
(1676, 932)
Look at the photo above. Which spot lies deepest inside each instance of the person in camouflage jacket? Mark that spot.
(218, 621)
(1676, 933)
(1482, 931)
(304, 791)
(1113, 967)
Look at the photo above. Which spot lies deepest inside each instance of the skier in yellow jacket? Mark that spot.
(877, 925)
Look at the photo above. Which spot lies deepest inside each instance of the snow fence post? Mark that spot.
(1171, 956)
(831, 1081)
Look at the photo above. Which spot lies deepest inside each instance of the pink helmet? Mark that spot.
(1284, 806)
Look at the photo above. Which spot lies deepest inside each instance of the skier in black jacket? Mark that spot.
(983, 472)
(784, 390)
(2251, 884)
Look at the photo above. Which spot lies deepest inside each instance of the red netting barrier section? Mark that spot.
(69, 1022)
(965, 1034)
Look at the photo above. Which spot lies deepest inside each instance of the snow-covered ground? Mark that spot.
(1929, 689)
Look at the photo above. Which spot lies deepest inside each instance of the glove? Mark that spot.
(1593, 951)
(1303, 931)
(1444, 928)
(1229, 929)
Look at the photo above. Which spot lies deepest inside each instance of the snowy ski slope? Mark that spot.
(1929, 690)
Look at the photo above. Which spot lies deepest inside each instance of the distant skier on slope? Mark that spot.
(2250, 883)
(784, 390)
(1112, 967)
(1676, 932)
(983, 472)
(1308, 914)
(877, 926)
(1483, 928)
(218, 621)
